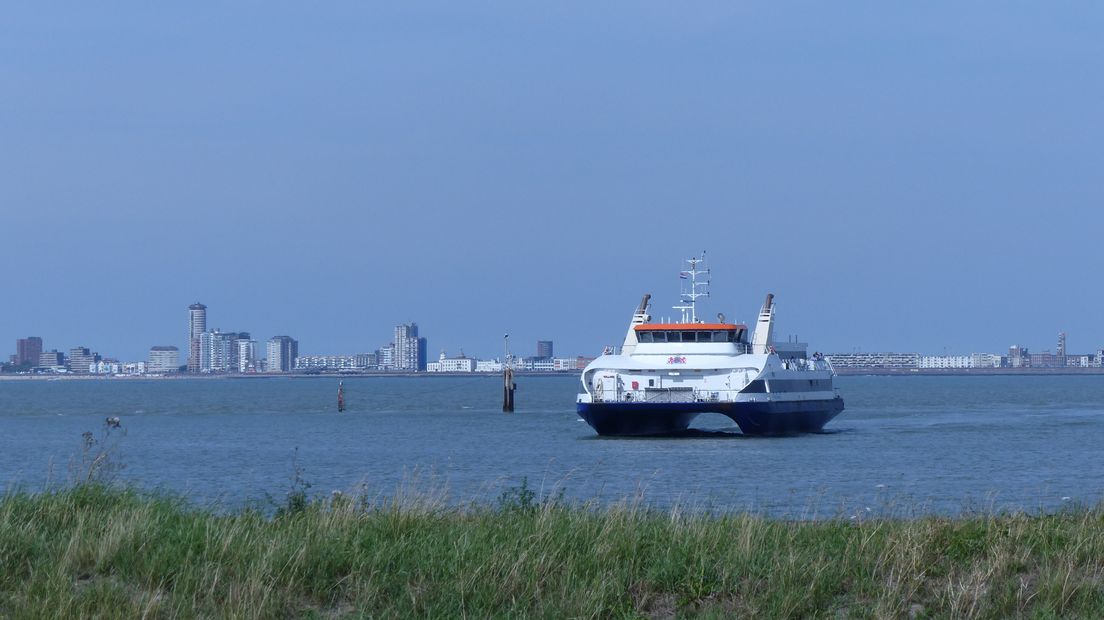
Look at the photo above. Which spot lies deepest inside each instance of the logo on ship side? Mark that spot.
(675, 359)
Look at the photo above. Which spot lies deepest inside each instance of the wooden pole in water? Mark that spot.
(508, 385)
(508, 388)
(340, 396)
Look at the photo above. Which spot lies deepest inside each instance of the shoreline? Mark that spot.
(842, 372)
(965, 372)
(282, 375)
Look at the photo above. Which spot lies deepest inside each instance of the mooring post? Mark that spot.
(508, 387)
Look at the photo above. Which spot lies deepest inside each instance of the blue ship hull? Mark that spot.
(758, 418)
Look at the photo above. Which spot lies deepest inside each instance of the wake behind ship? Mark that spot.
(666, 374)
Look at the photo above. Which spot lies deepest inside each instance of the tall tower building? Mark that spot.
(282, 351)
(247, 353)
(544, 349)
(197, 324)
(1061, 352)
(27, 350)
(218, 351)
(410, 349)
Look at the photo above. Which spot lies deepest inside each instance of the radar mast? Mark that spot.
(692, 288)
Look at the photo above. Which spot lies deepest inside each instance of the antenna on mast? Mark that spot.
(692, 288)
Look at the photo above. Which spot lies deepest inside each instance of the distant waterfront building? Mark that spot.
(542, 364)
(221, 352)
(488, 366)
(946, 361)
(563, 364)
(27, 350)
(135, 368)
(82, 360)
(462, 363)
(386, 357)
(217, 351)
(874, 360)
(985, 360)
(534, 364)
(51, 359)
(367, 361)
(1046, 359)
(282, 351)
(410, 349)
(247, 353)
(163, 359)
(332, 362)
(197, 324)
(1061, 351)
(1018, 357)
(106, 367)
(1079, 361)
(544, 349)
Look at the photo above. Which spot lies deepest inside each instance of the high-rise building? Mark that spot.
(1061, 351)
(423, 346)
(27, 350)
(386, 357)
(1018, 357)
(282, 351)
(163, 359)
(410, 349)
(544, 349)
(197, 324)
(218, 351)
(247, 353)
(51, 359)
(81, 360)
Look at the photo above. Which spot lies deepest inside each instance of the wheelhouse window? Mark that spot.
(728, 335)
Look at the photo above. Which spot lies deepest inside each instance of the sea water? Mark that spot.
(903, 446)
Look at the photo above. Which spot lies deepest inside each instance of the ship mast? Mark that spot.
(692, 288)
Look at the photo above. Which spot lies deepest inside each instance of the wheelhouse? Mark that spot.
(690, 332)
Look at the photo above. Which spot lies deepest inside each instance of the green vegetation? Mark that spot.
(95, 550)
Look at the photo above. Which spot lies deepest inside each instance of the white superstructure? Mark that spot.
(706, 367)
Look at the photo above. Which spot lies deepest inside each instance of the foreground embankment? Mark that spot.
(97, 551)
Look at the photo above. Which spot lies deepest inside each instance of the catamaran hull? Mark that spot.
(753, 418)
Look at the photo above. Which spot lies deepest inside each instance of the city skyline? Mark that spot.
(902, 177)
(212, 350)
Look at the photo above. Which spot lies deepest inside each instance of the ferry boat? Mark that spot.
(666, 374)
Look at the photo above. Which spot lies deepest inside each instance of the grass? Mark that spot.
(100, 551)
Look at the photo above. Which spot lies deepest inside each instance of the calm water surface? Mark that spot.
(904, 445)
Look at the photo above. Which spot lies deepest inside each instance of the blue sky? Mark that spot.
(922, 178)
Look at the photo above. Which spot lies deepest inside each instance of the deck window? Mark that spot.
(674, 336)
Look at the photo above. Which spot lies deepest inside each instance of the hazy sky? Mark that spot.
(919, 177)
